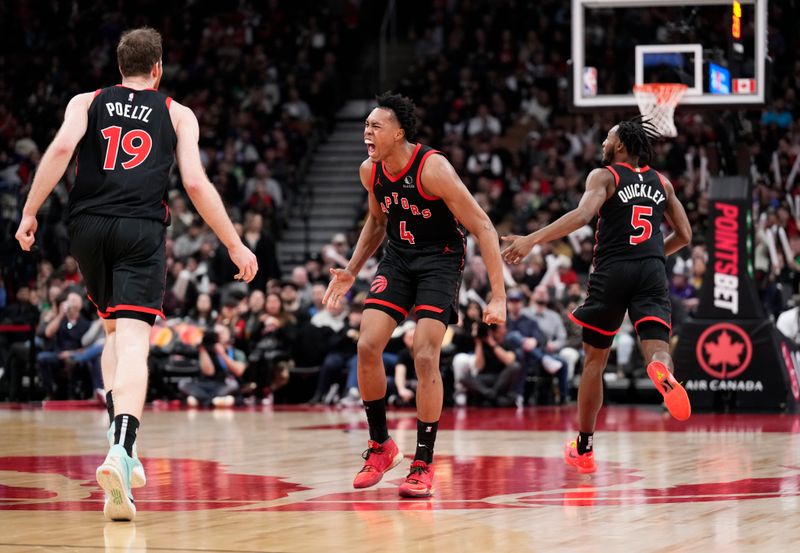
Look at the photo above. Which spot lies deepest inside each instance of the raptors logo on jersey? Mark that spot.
(125, 156)
(414, 217)
(629, 225)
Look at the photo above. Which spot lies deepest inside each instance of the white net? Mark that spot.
(657, 103)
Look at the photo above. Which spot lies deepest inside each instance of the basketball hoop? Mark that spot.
(657, 103)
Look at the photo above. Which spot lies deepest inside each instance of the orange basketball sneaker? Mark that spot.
(675, 397)
(379, 458)
(584, 463)
(419, 482)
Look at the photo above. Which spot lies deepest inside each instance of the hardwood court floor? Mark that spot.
(279, 480)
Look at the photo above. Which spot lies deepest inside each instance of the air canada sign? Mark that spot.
(724, 352)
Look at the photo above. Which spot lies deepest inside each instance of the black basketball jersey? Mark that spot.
(629, 225)
(414, 218)
(124, 158)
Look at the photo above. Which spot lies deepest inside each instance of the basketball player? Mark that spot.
(418, 200)
(629, 274)
(127, 138)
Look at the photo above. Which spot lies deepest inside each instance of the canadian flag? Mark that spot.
(744, 86)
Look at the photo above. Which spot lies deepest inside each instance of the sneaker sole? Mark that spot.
(396, 461)
(118, 505)
(676, 400)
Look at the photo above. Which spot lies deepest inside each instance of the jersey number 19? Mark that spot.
(139, 151)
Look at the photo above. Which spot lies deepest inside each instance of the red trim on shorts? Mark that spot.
(168, 102)
(419, 176)
(387, 304)
(97, 93)
(102, 314)
(136, 308)
(575, 320)
(166, 211)
(654, 319)
(405, 169)
(372, 177)
(428, 308)
(635, 169)
(616, 175)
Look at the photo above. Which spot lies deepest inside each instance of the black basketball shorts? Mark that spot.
(424, 281)
(123, 263)
(638, 287)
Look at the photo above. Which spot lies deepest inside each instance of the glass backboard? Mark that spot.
(718, 48)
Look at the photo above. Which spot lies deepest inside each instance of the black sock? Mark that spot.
(125, 427)
(110, 407)
(426, 436)
(376, 419)
(585, 440)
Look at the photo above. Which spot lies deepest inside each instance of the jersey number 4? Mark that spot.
(405, 234)
(639, 222)
(139, 151)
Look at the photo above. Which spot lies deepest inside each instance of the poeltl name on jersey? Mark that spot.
(138, 112)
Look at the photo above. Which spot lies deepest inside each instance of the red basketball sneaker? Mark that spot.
(584, 463)
(419, 482)
(379, 458)
(675, 397)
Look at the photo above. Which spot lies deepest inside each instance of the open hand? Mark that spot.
(338, 286)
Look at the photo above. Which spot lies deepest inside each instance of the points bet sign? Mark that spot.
(730, 356)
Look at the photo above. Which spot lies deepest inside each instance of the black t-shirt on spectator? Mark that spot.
(68, 336)
(404, 357)
(493, 364)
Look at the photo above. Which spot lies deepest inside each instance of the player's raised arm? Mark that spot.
(371, 237)
(440, 179)
(681, 235)
(598, 184)
(203, 194)
(53, 164)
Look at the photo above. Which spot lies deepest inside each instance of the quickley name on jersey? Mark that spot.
(629, 225)
(124, 159)
(415, 219)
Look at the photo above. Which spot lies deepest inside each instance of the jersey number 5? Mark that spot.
(404, 234)
(639, 222)
(139, 151)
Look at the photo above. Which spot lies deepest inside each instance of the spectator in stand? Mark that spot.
(552, 326)
(69, 271)
(335, 254)
(303, 285)
(528, 340)
(402, 386)
(64, 331)
(341, 346)
(483, 123)
(189, 243)
(493, 371)
(221, 366)
(257, 239)
(484, 162)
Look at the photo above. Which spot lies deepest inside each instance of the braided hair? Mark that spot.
(404, 110)
(636, 134)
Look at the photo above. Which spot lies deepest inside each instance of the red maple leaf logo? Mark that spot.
(724, 352)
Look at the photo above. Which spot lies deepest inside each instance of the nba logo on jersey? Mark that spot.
(641, 178)
(130, 97)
